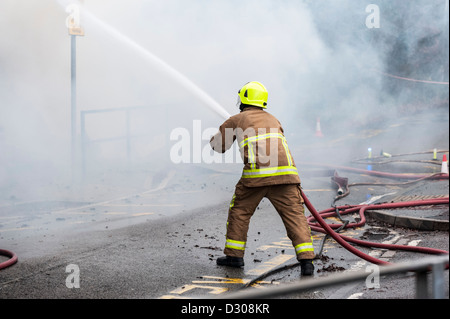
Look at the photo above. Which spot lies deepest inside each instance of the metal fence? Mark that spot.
(85, 141)
(422, 268)
(126, 135)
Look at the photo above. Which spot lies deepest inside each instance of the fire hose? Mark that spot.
(324, 227)
(379, 173)
(329, 229)
(12, 258)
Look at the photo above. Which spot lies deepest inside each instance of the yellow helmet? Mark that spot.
(253, 93)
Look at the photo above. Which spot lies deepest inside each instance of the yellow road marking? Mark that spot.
(161, 186)
(226, 280)
(270, 264)
(214, 290)
(125, 213)
(142, 214)
(187, 192)
(143, 205)
(19, 228)
(10, 217)
(75, 213)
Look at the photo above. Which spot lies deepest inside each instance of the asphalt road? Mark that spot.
(162, 242)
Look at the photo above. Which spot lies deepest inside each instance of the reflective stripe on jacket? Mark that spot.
(263, 147)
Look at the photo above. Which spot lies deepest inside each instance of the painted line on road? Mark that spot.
(143, 205)
(211, 286)
(188, 192)
(206, 284)
(17, 229)
(11, 217)
(161, 186)
(127, 213)
(142, 214)
(385, 255)
(269, 265)
(356, 295)
(225, 280)
(83, 213)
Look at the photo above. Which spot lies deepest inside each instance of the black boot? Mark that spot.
(307, 267)
(230, 261)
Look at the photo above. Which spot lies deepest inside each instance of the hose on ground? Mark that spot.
(322, 226)
(379, 173)
(364, 160)
(326, 228)
(12, 258)
(347, 190)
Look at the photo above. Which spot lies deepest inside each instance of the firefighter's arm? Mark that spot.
(223, 139)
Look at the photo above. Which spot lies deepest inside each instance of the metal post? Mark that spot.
(446, 12)
(438, 287)
(83, 144)
(422, 285)
(73, 24)
(73, 98)
(128, 135)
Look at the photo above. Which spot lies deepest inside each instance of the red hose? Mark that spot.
(362, 208)
(378, 173)
(343, 240)
(12, 258)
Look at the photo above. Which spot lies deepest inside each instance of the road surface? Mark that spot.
(162, 242)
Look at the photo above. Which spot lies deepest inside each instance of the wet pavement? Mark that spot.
(161, 241)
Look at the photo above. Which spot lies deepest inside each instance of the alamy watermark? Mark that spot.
(73, 279)
(373, 19)
(373, 279)
(194, 146)
(190, 145)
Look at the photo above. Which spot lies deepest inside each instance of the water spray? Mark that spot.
(159, 63)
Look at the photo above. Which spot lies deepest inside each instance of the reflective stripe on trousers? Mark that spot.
(303, 247)
(235, 244)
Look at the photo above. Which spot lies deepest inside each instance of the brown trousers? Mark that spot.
(288, 202)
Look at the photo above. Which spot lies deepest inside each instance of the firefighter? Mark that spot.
(269, 171)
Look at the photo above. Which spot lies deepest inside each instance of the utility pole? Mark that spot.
(445, 76)
(73, 24)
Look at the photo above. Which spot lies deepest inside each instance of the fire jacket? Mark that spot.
(263, 147)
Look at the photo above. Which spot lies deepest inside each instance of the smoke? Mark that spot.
(317, 59)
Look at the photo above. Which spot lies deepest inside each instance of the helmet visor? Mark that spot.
(238, 102)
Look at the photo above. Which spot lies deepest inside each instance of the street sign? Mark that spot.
(73, 20)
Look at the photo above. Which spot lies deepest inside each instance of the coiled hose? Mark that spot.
(322, 226)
